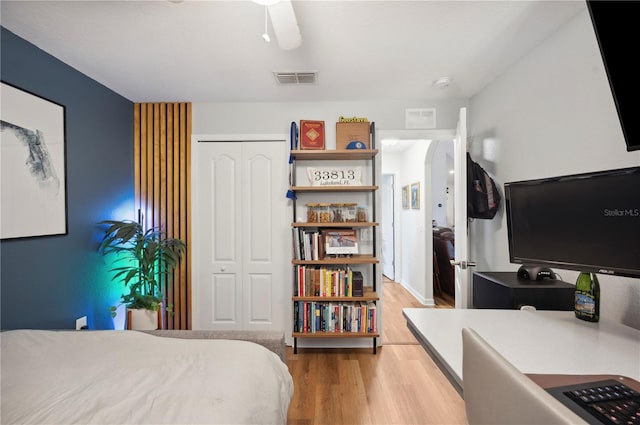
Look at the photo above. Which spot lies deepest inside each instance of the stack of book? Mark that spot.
(316, 244)
(312, 317)
(326, 282)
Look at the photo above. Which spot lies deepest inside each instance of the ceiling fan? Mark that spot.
(283, 22)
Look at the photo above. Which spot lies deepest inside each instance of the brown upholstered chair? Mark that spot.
(445, 268)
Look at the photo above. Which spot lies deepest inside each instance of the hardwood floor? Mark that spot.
(398, 385)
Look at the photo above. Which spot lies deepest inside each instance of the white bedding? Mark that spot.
(125, 377)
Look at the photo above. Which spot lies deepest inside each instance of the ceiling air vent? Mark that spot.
(296, 77)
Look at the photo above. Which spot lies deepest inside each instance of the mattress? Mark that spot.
(124, 377)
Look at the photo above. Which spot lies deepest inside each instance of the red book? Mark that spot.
(311, 134)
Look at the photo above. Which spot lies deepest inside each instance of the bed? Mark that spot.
(127, 377)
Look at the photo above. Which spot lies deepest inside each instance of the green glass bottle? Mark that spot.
(587, 301)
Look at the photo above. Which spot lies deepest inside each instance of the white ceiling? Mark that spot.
(212, 51)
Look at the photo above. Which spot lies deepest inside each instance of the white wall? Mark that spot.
(275, 118)
(551, 114)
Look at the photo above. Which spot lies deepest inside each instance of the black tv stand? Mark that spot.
(505, 290)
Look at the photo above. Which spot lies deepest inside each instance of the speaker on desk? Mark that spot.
(358, 289)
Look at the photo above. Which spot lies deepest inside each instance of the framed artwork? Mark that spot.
(32, 170)
(415, 196)
(405, 197)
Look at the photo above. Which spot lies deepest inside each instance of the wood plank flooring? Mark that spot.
(399, 385)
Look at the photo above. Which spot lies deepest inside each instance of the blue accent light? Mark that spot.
(124, 211)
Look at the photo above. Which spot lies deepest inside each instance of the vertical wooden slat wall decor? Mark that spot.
(162, 172)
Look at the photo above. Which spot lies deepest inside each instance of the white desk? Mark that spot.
(541, 342)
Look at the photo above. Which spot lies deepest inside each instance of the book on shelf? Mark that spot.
(307, 244)
(340, 241)
(312, 134)
(329, 317)
(321, 281)
(297, 251)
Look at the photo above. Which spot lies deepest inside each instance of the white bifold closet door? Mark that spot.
(242, 236)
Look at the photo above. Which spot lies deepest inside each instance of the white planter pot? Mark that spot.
(140, 319)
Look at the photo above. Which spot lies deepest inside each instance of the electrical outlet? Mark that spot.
(81, 323)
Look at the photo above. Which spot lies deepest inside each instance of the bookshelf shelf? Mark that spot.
(335, 334)
(368, 296)
(351, 317)
(347, 225)
(336, 261)
(335, 155)
(334, 188)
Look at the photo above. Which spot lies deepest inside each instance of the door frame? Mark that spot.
(195, 235)
(434, 136)
(462, 261)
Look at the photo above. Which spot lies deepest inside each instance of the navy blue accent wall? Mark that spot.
(48, 282)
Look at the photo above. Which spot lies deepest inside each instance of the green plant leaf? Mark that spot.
(143, 257)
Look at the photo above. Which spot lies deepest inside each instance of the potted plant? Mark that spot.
(143, 258)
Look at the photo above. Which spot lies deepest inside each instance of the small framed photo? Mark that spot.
(405, 197)
(340, 241)
(415, 196)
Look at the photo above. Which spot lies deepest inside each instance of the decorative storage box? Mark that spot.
(347, 132)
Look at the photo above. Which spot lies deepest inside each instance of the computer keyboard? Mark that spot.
(610, 401)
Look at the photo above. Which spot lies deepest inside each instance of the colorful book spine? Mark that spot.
(314, 317)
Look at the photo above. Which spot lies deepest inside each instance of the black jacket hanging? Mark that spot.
(483, 198)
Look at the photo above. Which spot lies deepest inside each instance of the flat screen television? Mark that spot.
(616, 26)
(585, 222)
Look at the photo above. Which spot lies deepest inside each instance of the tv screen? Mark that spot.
(616, 26)
(584, 222)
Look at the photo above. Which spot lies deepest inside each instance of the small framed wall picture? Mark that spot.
(415, 196)
(340, 241)
(405, 197)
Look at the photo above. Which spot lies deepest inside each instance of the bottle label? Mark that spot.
(585, 303)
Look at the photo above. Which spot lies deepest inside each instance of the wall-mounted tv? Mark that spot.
(616, 27)
(584, 222)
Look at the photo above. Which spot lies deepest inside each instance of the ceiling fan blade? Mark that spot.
(285, 25)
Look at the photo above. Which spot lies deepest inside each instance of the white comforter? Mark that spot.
(125, 377)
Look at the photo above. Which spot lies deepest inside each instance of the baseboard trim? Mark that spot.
(427, 302)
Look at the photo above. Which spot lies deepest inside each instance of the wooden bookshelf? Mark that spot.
(309, 194)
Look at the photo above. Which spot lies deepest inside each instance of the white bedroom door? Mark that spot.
(240, 236)
(462, 262)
